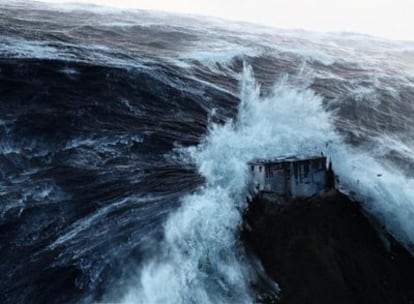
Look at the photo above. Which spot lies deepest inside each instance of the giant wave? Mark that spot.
(124, 138)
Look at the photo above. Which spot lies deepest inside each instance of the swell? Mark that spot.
(111, 152)
(87, 175)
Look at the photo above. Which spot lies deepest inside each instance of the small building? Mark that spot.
(295, 177)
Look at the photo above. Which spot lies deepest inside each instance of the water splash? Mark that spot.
(201, 259)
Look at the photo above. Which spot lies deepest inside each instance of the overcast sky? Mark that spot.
(387, 18)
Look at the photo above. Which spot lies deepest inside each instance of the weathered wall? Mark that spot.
(300, 179)
(308, 178)
(258, 177)
(276, 179)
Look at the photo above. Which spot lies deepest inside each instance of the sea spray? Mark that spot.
(201, 260)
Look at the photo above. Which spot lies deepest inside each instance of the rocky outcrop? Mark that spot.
(325, 250)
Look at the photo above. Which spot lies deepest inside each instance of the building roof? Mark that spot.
(284, 159)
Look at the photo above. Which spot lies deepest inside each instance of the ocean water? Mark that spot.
(125, 136)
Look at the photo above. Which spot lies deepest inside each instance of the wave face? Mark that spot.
(124, 139)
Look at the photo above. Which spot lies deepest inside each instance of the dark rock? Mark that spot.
(325, 250)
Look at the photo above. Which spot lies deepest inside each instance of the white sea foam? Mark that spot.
(70, 72)
(87, 222)
(386, 193)
(104, 143)
(218, 55)
(20, 48)
(201, 260)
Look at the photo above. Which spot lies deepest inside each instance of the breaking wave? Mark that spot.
(201, 260)
(123, 163)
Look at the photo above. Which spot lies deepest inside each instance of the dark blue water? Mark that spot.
(123, 139)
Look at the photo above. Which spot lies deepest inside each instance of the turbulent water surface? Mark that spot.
(124, 137)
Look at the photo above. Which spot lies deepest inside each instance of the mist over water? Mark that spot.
(204, 230)
(201, 260)
(123, 161)
(386, 193)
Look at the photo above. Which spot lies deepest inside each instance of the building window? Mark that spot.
(260, 168)
(252, 167)
(306, 169)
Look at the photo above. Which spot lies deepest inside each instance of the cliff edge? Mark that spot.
(325, 250)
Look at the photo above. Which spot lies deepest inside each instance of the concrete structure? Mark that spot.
(295, 177)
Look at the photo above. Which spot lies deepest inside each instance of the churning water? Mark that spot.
(125, 137)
